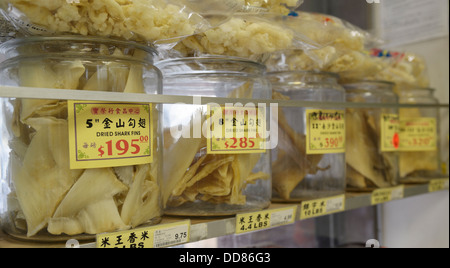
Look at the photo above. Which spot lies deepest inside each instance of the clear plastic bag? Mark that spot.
(405, 69)
(273, 6)
(340, 48)
(137, 20)
(251, 36)
(7, 32)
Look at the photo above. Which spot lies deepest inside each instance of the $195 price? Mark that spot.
(122, 147)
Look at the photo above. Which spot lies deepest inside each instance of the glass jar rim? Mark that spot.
(14, 43)
(354, 84)
(331, 74)
(211, 58)
(428, 89)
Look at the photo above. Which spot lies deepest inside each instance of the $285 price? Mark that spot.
(122, 147)
(234, 143)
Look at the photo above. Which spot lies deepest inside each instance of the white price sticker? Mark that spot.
(335, 204)
(172, 235)
(398, 193)
(283, 217)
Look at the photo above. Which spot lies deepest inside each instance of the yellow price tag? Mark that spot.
(103, 134)
(325, 131)
(418, 134)
(387, 194)
(148, 237)
(437, 185)
(321, 207)
(236, 130)
(255, 221)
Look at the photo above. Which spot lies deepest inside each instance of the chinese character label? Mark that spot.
(418, 134)
(128, 239)
(387, 194)
(390, 132)
(237, 130)
(255, 221)
(325, 132)
(150, 237)
(320, 207)
(437, 185)
(106, 134)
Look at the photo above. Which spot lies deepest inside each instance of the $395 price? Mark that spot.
(122, 147)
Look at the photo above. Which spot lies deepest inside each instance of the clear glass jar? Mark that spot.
(372, 136)
(419, 133)
(309, 161)
(202, 176)
(50, 197)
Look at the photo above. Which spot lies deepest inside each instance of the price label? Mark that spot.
(255, 221)
(237, 130)
(418, 134)
(283, 216)
(139, 238)
(390, 132)
(325, 131)
(149, 237)
(387, 194)
(105, 134)
(171, 235)
(437, 185)
(321, 207)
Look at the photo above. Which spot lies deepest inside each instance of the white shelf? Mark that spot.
(206, 228)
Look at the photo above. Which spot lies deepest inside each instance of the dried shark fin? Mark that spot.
(362, 153)
(287, 174)
(177, 160)
(99, 217)
(64, 75)
(92, 186)
(89, 206)
(45, 175)
(142, 201)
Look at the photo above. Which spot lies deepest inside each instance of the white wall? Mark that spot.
(423, 221)
(416, 222)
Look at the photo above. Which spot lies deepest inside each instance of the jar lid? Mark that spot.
(213, 64)
(336, 75)
(303, 77)
(76, 45)
(370, 85)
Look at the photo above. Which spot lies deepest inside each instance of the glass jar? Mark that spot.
(74, 169)
(419, 134)
(206, 173)
(309, 161)
(372, 136)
